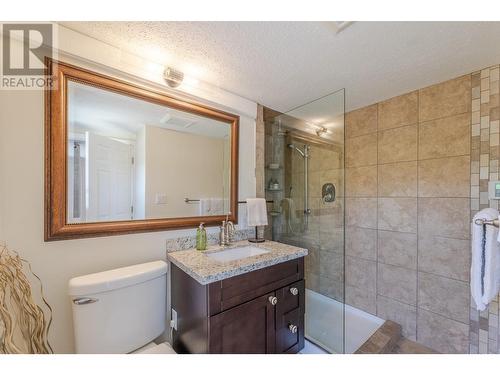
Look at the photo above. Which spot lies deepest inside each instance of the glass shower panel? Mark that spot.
(305, 180)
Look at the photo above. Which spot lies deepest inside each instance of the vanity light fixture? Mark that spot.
(173, 77)
(321, 131)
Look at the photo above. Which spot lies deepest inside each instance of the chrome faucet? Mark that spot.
(226, 233)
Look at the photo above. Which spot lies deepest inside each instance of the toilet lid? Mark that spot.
(163, 348)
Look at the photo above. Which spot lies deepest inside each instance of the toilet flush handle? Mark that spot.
(84, 300)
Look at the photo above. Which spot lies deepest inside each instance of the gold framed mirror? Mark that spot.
(125, 158)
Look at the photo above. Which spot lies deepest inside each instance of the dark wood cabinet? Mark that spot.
(244, 329)
(258, 312)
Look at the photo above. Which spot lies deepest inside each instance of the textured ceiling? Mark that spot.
(285, 64)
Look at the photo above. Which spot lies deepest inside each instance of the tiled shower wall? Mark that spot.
(485, 153)
(407, 212)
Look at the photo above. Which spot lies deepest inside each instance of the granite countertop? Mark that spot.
(206, 270)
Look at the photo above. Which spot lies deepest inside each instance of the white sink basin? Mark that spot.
(236, 253)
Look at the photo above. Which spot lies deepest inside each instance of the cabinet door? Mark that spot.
(246, 329)
(290, 318)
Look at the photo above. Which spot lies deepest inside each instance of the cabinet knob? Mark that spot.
(273, 300)
(294, 291)
(292, 328)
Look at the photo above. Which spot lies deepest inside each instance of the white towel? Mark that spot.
(288, 207)
(485, 259)
(256, 212)
(217, 206)
(205, 207)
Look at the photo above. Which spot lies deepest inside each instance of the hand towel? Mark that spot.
(288, 207)
(256, 212)
(484, 265)
(492, 268)
(205, 207)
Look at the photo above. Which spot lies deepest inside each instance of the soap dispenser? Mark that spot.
(201, 238)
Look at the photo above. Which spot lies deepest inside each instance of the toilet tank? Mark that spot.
(120, 310)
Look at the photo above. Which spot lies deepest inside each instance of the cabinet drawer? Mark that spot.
(287, 338)
(236, 290)
(289, 296)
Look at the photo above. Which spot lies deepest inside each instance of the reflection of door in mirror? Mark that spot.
(100, 179)
(130, 159)
(109, 179)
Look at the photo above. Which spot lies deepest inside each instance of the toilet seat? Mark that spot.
(152, 348)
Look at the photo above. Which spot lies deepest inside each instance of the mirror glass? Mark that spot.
(130, 159)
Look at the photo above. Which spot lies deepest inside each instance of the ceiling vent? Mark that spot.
(173, 120)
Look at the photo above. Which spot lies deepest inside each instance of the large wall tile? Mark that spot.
(398, 312)
(397, 179)
(442, 334)
(331, 239)
(398, 144)
(443, 256)
(361, 151)
(361, 298)
(397, 214)
(445, 99)
(361, 212)
(361, 182)
(311, 261)
(446, 217)
(331, 288)
(398, 111)
(445, 177)
(331, 265)
(312, 281)
(397, 249)
(397, 283)
(361, 273)
(444, 137)
(361, 121)
(361, 243)
(444, 296)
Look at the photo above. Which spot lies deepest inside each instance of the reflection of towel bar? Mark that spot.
(188, 200)
(495, 222)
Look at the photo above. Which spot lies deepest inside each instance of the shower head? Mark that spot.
(304, 153)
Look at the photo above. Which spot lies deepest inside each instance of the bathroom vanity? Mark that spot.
(252, 304)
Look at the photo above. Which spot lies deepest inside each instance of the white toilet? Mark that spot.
(121, 310)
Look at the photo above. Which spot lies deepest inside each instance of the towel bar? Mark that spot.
(495, 222)
(188, 200)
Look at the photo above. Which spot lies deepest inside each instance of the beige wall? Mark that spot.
(407, 212)
(22, 192)
(182, 165)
